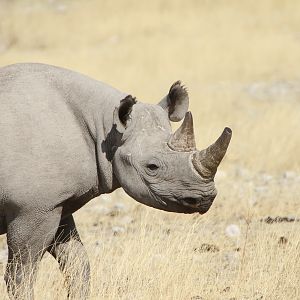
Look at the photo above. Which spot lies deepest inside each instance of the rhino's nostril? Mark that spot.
(191, 201)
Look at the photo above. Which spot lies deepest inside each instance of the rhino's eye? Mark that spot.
(152, 167)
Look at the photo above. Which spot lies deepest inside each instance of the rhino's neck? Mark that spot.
(93, 103)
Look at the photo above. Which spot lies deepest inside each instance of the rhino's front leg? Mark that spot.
(29, 234)
(71, 255)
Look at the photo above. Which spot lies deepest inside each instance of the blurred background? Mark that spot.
(239, 59)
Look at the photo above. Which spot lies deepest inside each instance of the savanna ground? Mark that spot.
(241, 63)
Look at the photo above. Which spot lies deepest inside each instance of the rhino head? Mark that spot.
(161, 169)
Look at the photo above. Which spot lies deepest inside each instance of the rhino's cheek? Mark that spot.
(134, 185)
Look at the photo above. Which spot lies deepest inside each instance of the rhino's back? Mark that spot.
(43, 144)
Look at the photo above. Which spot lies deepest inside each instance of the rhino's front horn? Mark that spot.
(183, 139)
(207, 161)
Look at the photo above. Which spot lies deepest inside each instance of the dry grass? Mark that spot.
(241, 63)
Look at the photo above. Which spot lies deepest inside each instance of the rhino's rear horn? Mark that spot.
(183, 139)
(207, 161)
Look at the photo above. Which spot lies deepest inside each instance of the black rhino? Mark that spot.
(66, 138)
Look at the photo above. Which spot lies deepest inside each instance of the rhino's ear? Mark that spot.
(176, 103)
(122, 113)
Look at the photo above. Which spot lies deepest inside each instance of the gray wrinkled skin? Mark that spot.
(65, 139)
(175, 179)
